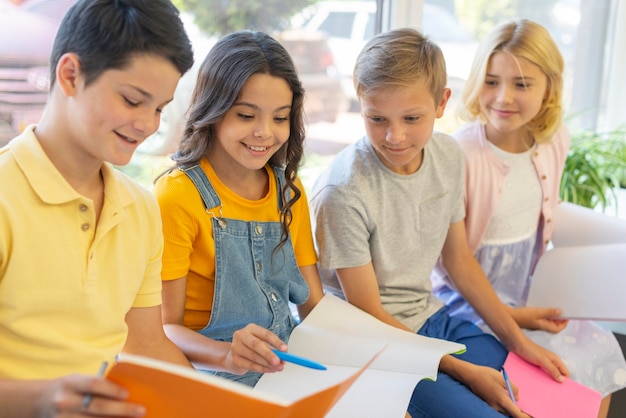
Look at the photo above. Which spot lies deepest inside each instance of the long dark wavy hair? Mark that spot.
(230, 63)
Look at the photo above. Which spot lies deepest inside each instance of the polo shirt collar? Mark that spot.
(48, 183)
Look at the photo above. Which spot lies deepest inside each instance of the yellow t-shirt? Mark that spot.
(188, 231)
(65, 284)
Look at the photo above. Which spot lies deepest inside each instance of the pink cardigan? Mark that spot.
(485, 173)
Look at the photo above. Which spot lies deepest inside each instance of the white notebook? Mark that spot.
(341, 337)
(584, 274)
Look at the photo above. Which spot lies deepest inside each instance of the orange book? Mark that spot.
(168, 390)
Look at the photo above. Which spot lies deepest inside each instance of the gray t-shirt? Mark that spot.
(363, 212)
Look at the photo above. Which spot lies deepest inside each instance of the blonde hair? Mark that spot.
(400, 57)
(526, 39)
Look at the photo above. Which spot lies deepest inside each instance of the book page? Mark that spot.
(377, 394)
(577, 225)
(543, 397)
(584, 282)
(340, 336)
(340, 333)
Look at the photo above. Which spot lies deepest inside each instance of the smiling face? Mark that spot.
(114, 114)
(254, 128)
(512, 95)
(399, 122)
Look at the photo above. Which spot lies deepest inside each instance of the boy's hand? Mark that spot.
(489, 385)
(65, 397)
(251, 350)
(544, 319)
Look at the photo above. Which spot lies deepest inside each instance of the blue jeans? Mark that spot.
(447, 397)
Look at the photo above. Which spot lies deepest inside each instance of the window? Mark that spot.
(342, 27)
(338, 24)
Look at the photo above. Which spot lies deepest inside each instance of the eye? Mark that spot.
(245, 116)
(376, 119)
(281, 119)
(412, 118)
(491, 83)
(522, 85)
(130, 102)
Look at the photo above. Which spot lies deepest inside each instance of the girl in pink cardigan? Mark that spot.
(515, 146)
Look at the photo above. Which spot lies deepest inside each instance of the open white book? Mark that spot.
(343, 338)
(346, 340)
(585, 273)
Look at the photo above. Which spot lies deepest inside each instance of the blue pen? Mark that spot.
(298, 360)
(87, 398)
(508, 385)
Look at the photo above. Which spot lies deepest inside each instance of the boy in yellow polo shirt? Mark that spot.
(80, 243)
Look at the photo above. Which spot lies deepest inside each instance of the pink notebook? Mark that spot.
(543, 397)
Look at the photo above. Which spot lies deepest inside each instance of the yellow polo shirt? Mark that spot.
(188, 233)
(66, 283)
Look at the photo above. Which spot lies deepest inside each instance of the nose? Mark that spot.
(394, 134)
(147, 122)
(262, 130)
(505, 94)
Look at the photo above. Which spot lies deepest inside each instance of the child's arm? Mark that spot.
(472, 283)
(545, 319)
(249, 350)
(487, 383)
(147, 338)
(360, 287)
(312, 277)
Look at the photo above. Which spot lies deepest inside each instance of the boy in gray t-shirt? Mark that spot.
(390, 205)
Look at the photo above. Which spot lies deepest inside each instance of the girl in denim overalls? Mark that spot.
(238, 242)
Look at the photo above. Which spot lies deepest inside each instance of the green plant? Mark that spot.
(595, 168)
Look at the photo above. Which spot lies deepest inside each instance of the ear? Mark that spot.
(441, 106)
(68, 73)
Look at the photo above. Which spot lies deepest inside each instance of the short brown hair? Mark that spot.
(400, 57)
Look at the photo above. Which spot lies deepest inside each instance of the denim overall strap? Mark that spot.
(253, 283)
(210, 199)
(202, 183)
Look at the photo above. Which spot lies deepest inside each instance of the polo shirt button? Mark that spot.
(83, 207)
(548, 221)
(546, 199)
(85, 227)
(544, 177)
(273, 296)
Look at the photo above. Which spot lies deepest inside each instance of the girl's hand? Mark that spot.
(544, 319)
(251, 350)
(65, 397)
(543, 358)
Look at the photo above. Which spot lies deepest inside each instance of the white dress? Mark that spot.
(590, 352)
